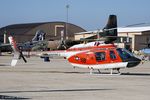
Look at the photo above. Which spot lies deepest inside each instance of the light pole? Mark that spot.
(5, 37)
(67, 7)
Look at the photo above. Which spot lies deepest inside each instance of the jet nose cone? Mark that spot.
(133, 62)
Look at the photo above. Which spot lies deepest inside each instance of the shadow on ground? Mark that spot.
(6, 97)
(63, 90)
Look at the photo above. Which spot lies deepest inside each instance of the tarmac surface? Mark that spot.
(58, 80)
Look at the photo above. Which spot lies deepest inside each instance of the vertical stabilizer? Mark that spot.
(110, 30)
(15, 49)
(13, 43)
(39, 36)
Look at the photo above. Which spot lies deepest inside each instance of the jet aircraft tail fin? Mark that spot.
(110, 30)
(39, 36)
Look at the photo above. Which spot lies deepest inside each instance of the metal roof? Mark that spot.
(134, 29)
(121, 30)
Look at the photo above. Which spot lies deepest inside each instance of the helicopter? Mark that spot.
(99, 54)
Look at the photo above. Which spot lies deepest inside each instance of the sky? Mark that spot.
(88, 14)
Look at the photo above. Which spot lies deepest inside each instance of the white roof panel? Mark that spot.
(122, 29)
(134, 29)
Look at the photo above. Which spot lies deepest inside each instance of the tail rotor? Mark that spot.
(17, 52)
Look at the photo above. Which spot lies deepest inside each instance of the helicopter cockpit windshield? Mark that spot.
(124, 54)
(127, 56)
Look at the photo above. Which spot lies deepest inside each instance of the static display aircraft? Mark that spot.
(19, 47)
(38, 39)
(146, 50)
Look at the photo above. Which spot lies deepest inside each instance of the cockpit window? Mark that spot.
(112, 55)
(100, 56)
(124, 54)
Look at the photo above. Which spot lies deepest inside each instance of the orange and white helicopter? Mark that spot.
(98, 54)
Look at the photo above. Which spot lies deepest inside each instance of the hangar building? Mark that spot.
(139, 36)
(25, 32)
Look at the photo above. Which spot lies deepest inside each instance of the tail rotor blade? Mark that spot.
(22, 56)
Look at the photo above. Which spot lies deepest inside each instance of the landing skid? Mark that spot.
(100, 73)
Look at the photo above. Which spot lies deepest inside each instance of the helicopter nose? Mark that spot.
(132, 62)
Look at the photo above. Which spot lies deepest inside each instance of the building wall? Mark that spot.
(138, 39)
(141, 41)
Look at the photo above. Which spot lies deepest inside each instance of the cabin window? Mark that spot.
(112, 55)
(100, 56)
